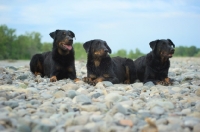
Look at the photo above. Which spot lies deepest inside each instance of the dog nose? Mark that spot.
(69, 38)
(172, 50)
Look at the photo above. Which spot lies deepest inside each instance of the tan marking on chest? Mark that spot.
(96, 63)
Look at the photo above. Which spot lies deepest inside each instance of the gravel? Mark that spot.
(29, 103)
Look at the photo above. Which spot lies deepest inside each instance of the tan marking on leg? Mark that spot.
(39, 65)
(37, 73)
(127, 74)
(53, 79)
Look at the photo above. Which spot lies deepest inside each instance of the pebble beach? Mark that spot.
(34, 104)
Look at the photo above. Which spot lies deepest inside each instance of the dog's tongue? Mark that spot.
(69, 47)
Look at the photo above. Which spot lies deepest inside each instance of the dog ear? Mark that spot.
(171, 43)
(53, 34)
(153, 44)
(87, 45)
(109, 50)
(72, 33)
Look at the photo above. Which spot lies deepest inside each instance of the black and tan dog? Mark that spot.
(155, 65)
(58, 63)
(101, 67)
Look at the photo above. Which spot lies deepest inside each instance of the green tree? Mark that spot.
(28, 45)
(79, 51)
(122, 53)
(46, 47)
(191, 51)
(7, 38)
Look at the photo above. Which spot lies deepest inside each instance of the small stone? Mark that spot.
(42, 128)
(107, 84)
(95, 95)
(163, 103)
(69, 86)
(91, 126)
(12, 104)
(186, 111)
(157, 110)
(95, 118)
(59, 94)
(71, 93)
(126, 122)
(23, 128)
(174, 120)
(22, 77)
(137, 85)
(149, 84)
(196, 128)
(32, 90)
(81, 99)
(22, 85)
(46, 95)
(80, 120)
(88, 108)
(176, 89)
(119, 108)
(113, 97)
(118, 116)
(197, 92)
(191, 122)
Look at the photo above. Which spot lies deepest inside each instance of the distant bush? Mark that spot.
(132, 54)
(186, 51)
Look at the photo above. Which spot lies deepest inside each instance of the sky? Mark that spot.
(123, 24)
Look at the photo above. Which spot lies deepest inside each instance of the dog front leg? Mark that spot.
(72, 73)
(53, 76)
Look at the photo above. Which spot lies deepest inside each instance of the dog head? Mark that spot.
(163, 48)
(97, 48)
(63, 40)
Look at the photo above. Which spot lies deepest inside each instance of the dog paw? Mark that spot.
(76, 79)
(160, 83)
(53, 79)
(165, 82)
(87, 79)
(37, 73)
(168, 81)
(92, 83)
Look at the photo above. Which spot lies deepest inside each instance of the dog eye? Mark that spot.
(64, 33)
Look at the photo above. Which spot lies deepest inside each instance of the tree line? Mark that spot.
(28, 44)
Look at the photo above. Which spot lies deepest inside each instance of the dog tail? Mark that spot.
(36, 64)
